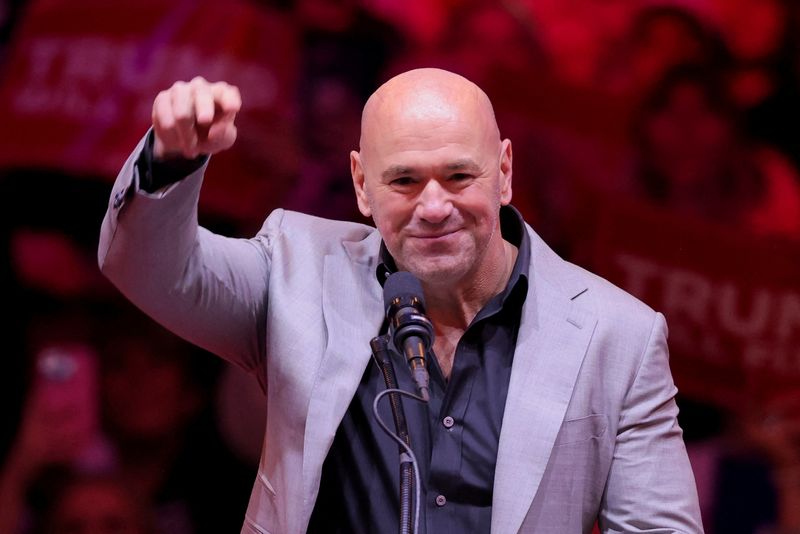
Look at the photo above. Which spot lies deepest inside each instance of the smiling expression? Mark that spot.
(432, 172)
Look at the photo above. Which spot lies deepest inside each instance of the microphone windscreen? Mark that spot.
(404, 285)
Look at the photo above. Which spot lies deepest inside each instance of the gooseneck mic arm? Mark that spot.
(409, 328)
(411, 334)
(409, 470)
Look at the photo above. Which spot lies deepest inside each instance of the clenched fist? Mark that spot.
(195, 118)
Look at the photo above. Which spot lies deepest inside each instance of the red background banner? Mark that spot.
(81, 79)
(731, 299)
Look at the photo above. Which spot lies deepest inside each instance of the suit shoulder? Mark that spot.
(324, 235)
(602, 293)
(605, 291)
(625, 325)
(609, 303)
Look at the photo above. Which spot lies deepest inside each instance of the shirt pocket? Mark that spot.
(582, 429)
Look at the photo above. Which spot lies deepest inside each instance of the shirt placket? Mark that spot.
(447, 430)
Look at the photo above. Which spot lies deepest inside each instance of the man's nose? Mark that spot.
(434, 204)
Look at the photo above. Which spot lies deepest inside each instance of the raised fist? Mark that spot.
(195, 118)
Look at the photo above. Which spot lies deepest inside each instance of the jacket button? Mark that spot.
(448, 422)
(441, 500)
(119, 196)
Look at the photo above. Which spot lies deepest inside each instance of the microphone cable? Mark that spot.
(407, 452)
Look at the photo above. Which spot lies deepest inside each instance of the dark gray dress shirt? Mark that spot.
(454, 437)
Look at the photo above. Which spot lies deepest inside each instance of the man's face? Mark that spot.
(434, 185)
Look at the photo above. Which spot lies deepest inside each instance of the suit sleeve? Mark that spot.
(651, 487)
(209, 289)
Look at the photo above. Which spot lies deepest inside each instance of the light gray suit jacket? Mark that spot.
(589, 430)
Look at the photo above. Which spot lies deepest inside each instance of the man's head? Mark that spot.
(433, 172)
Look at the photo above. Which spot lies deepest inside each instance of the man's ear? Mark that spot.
(357, 171)
(506, 159)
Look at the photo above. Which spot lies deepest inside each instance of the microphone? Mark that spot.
(411, 331)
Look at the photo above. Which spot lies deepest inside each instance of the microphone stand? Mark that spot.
(380, 353)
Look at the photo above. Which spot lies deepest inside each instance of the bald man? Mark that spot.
(552, 404)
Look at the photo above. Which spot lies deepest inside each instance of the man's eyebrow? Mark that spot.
(462, 165)
(404, 170)
(397, 170)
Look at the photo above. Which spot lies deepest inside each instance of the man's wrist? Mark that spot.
(155, 174)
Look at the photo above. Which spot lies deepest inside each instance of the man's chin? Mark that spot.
(439, 271)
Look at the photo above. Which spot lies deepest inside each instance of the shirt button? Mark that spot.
(441, 500)
(448, 422)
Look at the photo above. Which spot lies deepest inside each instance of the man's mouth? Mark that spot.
(434, 236)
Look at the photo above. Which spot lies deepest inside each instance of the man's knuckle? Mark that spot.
(183, 116)
(164, 123)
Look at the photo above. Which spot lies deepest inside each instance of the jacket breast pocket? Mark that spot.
(582, 429)
(250, 527)
(262, 515)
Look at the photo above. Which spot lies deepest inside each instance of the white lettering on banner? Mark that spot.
(66, 101)
(788, 325)
(712, 346)
(747, 323)
(638, 272)
(718, 319)
(43, 53)
(688, 338)
(688, 293)
(778, 358)
(80, 78)
(90, 60)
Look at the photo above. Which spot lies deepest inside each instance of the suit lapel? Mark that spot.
(553, 339)
(353, 311)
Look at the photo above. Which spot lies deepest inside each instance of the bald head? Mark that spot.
(424, 97)
(432, 172)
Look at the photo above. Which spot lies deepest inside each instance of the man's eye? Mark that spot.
(460, 176)
(405, 180)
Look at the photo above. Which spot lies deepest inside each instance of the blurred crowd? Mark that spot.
(686, 107)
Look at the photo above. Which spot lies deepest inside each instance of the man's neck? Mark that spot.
(454, 306)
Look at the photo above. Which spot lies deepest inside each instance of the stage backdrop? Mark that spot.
(732, 301)
(82, 75)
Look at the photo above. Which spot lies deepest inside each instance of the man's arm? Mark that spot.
(155, 174)
(651, 487)
(207, 288)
